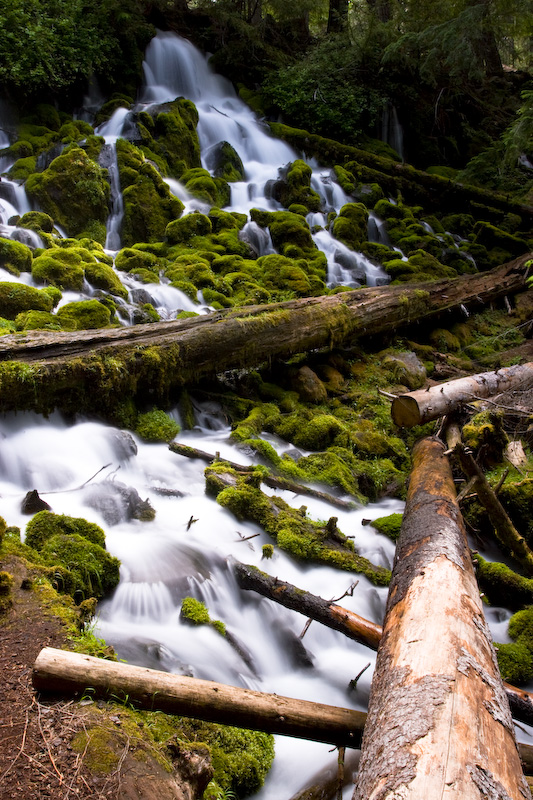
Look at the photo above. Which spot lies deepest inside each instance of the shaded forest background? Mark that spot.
(456, 74)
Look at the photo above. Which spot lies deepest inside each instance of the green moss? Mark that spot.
(63, 268)
(104, 277)
(225, 163)
(6, 587)
(182, 230)
(502, 586)
(88, 569)
(86, 314)
(46, 524)
(37, 320)
(444, 341)
(23, 168)
(267, 551)
(201, 185)
(350, 226)
(73, 190)
(157, 426)
(515, 662)
(131, 259)
(37, 221)
(169, 133)
(15, 257)
(389, 526)
(485, 430)
(295, 187)
(196, 613)
(17, 297)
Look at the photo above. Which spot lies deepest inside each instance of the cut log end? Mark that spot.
(405, 412)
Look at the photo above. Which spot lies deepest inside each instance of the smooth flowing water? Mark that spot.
(189, 549)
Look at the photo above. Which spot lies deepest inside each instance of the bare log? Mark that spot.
(69, 674)
(438, 721)
(65, 673)
(82, 369)
(505, 531)
(269, 480)
(348, 623)
(330, 614)
(423, 405)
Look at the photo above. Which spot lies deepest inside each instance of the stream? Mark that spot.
(190, 546)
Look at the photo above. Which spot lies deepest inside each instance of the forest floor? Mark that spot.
(37, 760)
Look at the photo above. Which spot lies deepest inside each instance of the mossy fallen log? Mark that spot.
(97, 370)
(438, 718)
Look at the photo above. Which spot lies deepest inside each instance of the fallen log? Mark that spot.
(423, 405)
(269, 480)
(330, 614)
(347, 622)
(438, 720)
(69, 674)
(504, 529)
(92, 369)
(64, 673)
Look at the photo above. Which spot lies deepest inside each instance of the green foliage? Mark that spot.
(157, 426)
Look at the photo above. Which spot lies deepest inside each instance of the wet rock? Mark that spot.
(32, 503)
(406, 368)
(309, 386)
(294, 648)
(117, 502)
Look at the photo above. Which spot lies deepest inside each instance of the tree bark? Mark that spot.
(65, 673)
(423, 405)
(348, 623)
(269, 480)
(330, 614)
(505, 531)
(438, 723)
(76, 370)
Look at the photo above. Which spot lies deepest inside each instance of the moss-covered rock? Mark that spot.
(350, 226)
(74, 191)
(168, 132)
(224, 162)
(515, 662)
(86, 314)
(63, 268)
(17, 297)
(86, 569)
(45, 524)
(405, 368)
(485, 432)
(184, 229)
(502, 586)
(37, 221)
(294, 188)
(389, 526)
(104, 277)
(15, 257)
(157, 426)
(38, 320)
(203, 186)
(195, 612)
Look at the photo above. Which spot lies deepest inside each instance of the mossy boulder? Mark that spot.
(515, 662)
(104, 277)
(184, 229)
(350, 226)
(85, 569)
(75, 192)
(494, 238)
(287, 274)
(46, 524)
(224, 162)
(132, 259)
(17, 297)
(85, 314)
(168, 132)
(195, 612)
(503, 586)
(38, 320)
(157, 426)
(389, 526)
(37, 221)
(214, 191)
(63, 268)
(15, 257)
(294, 188)
(406, 369)
(226, 220)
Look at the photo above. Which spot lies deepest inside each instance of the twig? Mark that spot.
(77, 488)
(348, 593)
(353, 683)
(246, 538)
(306, 626)
(466, 489)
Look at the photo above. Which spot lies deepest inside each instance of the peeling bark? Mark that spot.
(438, 723)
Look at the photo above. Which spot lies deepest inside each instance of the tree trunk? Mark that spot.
(337, 15)
(66, 673)
(505, 531)
(438, 723)
(269, 480)
(423, 405)
(348, 623)
(90, 369)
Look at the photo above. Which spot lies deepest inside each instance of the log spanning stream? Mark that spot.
(89, 469)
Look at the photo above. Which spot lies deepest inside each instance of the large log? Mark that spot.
(423, 405)
(82, 369)
(438, 722)
(64, 673)
(347, 622)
